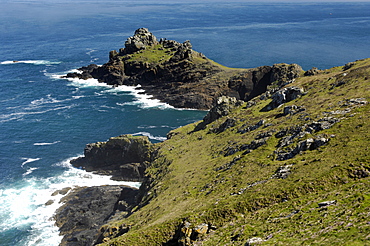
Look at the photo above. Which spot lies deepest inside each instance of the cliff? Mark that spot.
(288, 167)
(176, 74)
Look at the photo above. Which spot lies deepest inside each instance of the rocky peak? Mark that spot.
(141, 39)
(285, 73)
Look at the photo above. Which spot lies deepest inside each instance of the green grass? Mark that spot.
(188, 186)
(152, 55)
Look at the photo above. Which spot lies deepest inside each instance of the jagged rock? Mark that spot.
(124, 157)
(292, 110)
(322, 124)
(251, 83)
(283, 73)
(308, 144)
(86, 209)
(257, 143)
(283, 96)
(62, 191)
(348, 65)
(247, 148)
(141, 39)
(108, 232)
(264, 134)
(188, 234)
(230, 122)
(222, 108)
(282, 172)
(313, 71)
(249, 128)
(49, 202)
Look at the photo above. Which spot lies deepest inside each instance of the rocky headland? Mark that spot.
(176, 74)
(281, 158)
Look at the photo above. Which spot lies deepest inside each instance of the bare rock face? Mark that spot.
(86, 209)
(141, 39)
(284, 73)
(222, 108)
(124, 157)
(283, 96)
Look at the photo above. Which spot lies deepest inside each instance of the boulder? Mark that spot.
(222, 108)
(313, 71)
(283, 96)
(282, 73)
(141, 39)
(292, 110)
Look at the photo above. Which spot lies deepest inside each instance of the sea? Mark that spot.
(46, 120)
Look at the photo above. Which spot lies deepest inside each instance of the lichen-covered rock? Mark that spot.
(283, 96)
(283, 73)
(308, 144)
(222, 108)
(141, 39)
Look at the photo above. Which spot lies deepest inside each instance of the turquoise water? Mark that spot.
(45, 120)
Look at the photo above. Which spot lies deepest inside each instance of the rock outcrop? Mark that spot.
(124, 157)
(176, 74)
(86, 209)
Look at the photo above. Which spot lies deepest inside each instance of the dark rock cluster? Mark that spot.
(124, 157)
(87, 208)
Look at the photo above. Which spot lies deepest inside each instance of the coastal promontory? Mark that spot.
(176, 74)
(281, 158)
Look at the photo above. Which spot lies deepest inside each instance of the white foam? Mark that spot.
(42, 144)
(35, 62)
(19, 115)
(48, 99)
(150, 136)
(29, 171)
(24, 206)
(153, 127)
(141, 99)
(28, 160)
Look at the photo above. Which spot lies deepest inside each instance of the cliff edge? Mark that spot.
(176, 74)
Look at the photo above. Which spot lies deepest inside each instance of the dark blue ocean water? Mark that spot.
(45, 121)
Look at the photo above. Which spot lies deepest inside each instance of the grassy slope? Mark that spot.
(284, 211)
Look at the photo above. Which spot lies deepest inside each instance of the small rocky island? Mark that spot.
(281, 158)
(176, 74)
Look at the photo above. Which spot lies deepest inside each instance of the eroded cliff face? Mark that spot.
(176, 74)
(86, 209)
(124, 157)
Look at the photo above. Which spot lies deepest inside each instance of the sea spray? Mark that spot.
(30, 205)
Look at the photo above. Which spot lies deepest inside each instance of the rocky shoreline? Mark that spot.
(86, 209)
(176, 74)
(260, 118)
